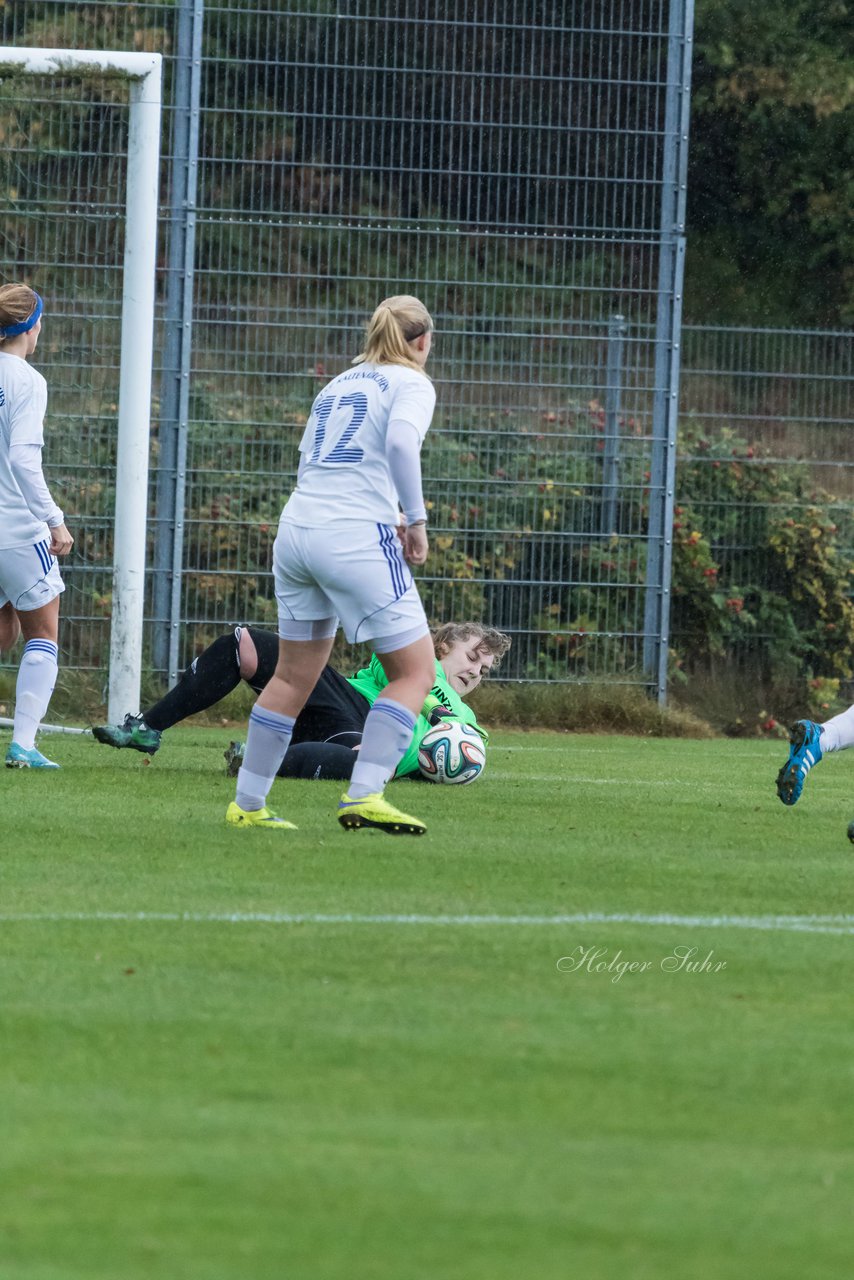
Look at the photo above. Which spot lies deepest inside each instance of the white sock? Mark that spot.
(838, 733)
(36, 679)
(385, 739)
(267, 740)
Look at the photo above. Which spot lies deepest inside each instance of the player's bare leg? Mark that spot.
(247, 655)
(10, 628)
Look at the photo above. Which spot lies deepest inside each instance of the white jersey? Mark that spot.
(23, 402)
(345, 473)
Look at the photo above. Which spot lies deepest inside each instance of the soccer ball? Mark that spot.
(451, 752)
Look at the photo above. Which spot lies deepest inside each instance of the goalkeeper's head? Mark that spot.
(468, 651)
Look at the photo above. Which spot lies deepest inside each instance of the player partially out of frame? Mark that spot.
(337, 557)
(329, 728)
(809, 743)
(32, 527)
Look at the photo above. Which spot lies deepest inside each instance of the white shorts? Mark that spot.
(348, 570)
(29, 576)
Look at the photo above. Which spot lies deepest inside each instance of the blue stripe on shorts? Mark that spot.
(42, 550)
(388, 538)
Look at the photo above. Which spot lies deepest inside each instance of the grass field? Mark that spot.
(237, 1055)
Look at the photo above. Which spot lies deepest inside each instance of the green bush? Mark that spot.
(759, 577)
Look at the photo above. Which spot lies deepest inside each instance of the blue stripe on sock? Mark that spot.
(41, 646)
(401, 715)
(272, 720)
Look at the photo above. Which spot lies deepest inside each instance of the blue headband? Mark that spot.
(14, 330)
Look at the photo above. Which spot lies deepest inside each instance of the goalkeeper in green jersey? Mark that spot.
(329, 728)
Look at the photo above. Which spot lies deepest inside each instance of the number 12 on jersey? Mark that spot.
(338, 420)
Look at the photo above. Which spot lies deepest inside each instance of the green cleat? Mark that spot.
(374, 811)
(134, 732)
(234, 754)
(237, 817)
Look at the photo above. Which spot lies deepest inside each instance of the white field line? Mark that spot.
(501, 776)
(582, 742)
(832, 924)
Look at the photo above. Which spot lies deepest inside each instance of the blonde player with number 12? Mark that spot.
(337, 556)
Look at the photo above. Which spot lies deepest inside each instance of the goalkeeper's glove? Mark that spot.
(437, 714)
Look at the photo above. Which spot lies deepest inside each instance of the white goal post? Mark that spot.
(143, 72)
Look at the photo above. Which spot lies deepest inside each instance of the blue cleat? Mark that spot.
(24, 758)
(804, 752)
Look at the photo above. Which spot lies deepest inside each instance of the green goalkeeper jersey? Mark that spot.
(370, 682)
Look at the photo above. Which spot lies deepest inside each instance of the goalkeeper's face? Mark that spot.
(465, 665)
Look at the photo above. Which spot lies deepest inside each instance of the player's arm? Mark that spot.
(409, 420)
(26, 438)
(403, 452)
(25, 461)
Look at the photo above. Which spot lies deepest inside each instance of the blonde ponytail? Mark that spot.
(396, 322)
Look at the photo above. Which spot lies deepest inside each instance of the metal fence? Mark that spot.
(765, 480)
(519, 166)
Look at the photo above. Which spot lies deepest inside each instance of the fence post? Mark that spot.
(178, 335)
(611, 459)
(667, 343)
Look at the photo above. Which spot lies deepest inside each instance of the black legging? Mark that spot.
(321, 760)
(334, 709)
(326, 730)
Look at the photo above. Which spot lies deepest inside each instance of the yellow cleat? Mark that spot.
(374, 811)
(237, 817)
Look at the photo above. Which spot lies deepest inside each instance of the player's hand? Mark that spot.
(415, 545)
(61, 540)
